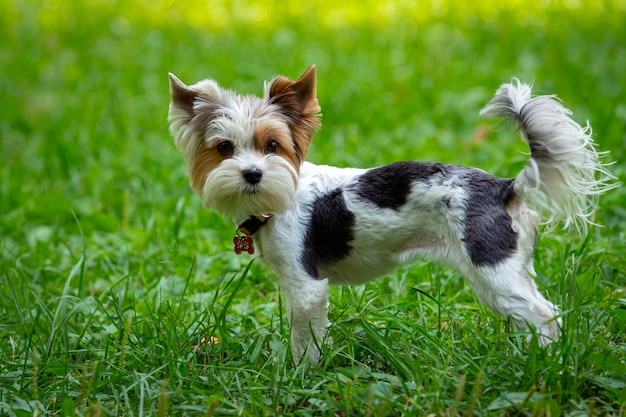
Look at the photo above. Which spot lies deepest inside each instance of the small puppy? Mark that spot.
(319, 225)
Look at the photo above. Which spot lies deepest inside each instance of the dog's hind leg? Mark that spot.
(507, 286)
(509, 290)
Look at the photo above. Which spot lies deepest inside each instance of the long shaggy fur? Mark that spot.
(565, 175)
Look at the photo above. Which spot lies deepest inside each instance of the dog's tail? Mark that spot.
(565, 174)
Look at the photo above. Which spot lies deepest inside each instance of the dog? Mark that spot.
(318, 225)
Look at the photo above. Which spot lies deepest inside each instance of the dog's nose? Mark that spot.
(252, 175)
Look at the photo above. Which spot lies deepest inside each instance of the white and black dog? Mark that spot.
(320, 225)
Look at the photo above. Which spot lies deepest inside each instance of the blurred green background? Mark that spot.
(84, 92)
(84, 86)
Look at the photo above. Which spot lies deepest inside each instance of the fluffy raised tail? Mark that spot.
(565, 174)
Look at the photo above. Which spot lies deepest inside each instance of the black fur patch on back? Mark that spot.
(389, 186)
(489, 236)
(329, 232)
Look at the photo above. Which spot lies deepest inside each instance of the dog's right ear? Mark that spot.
(182, 96)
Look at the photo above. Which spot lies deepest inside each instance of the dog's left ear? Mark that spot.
(298, 101)
(299, 95)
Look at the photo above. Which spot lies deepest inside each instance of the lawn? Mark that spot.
(120, 295)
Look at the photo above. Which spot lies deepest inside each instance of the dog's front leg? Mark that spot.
(307, 310)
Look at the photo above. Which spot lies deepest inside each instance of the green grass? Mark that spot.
(112, 275)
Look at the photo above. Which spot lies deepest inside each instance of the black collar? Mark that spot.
(253, 223)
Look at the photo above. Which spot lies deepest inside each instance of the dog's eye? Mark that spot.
(271, 147)
(225, 148)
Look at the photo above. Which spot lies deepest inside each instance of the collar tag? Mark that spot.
(249, 227)
(243, 244)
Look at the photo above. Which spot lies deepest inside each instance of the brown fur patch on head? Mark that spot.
(298, 101)
(205, 160)
(268, 131)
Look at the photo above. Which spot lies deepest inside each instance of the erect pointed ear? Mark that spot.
(182, 96)
(298, 96)
(298, 101)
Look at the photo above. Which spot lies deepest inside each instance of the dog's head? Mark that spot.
(243, 152)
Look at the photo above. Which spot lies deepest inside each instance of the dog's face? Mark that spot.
(243, 152)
